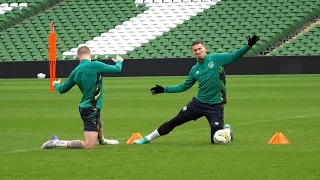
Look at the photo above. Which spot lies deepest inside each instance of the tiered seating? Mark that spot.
(158, 19)
(226, 26)
(14, 11)
(308, 43)
(5, 7)
(75, 22)
(163, 28)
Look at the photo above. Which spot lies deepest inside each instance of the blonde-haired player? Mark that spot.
(87, 76)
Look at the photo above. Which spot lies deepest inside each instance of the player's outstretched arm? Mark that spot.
(66, 86)
(227, 58)
(106, 68)
(188, 83)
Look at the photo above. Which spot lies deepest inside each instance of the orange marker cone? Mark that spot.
(134, 137)
(278, 138)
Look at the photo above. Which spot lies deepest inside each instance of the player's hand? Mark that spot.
(157, 90)
(55, 81)
(117, 58)
(253, 40)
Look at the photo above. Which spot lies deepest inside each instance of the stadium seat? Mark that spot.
(74, 24)
(229, 28)
(159, 18)
(307, 43)
(154, 28)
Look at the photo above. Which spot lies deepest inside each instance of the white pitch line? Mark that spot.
(279, 119)
(188, 130)
(22, 150)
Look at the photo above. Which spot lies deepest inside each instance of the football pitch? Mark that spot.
(258, 107)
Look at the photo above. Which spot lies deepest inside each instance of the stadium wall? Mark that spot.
(257, 65)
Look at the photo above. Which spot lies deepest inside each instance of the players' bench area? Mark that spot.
(223, 25)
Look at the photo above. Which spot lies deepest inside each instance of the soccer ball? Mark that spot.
(41, 76)
(222, 136)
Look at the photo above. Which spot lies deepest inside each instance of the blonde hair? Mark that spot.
(84, 50)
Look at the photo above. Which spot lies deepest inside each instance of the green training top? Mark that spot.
(87, 75)
(206, 72)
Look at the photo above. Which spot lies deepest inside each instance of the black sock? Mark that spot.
(214, 129)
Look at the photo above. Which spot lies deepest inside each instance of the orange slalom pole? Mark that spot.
(52, 55)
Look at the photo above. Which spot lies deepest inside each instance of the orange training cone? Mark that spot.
(278, 138)
(134, 137)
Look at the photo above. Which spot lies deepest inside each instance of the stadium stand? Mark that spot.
(154, 22)
(14, 11)
(152, 28)
(75, 22)
(306, 42)
(226, 26)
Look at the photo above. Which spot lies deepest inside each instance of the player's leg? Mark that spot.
(90, 142)
(91, 128)
(100, 133)
(228, 126)
(90, 117)
(215, 117)
(101, 139)
(90, 134)
(165, 128)
(188, 113)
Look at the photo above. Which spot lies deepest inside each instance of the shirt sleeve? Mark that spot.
(188, 83)
(106, 68)
(67, 85)
(226, 58)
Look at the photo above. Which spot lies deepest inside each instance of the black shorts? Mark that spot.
(213, 112)
(91, 118)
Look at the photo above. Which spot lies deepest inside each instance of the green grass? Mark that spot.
(258, 106)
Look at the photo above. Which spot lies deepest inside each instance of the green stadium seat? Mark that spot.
(315, 48)
(224, 27)
(272, 26)
(307, 43)
(308, 52)
(74, 24)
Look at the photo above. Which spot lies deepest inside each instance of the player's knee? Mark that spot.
(180, 118)
(168, 126)
(91, 139)
(90, 145)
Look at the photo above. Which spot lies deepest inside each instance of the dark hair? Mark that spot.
(197, 42)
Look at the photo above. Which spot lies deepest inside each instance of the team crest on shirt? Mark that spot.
(210, 64)
(197, 72)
